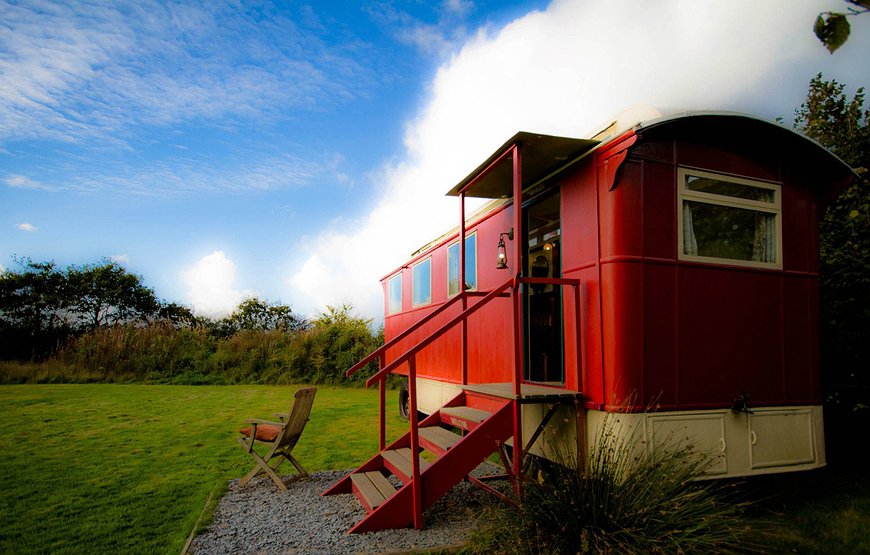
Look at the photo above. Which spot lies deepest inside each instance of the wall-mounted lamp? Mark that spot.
(501, 263)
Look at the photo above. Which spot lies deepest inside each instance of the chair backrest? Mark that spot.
(298, 417)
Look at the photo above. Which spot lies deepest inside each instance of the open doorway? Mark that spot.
(543, 303)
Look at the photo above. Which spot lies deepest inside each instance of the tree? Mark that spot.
(258, 315)
(106, 294)
(41, 305)
(180, 316)
(337, 340)
(843, 126)
(833, 29)
(32, 309)
(33, 298)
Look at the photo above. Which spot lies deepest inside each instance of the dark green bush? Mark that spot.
(163, 352)
(626, 497)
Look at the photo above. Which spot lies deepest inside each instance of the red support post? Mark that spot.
(382, 416)
(519, 356)
(464, 347)
(416, 487)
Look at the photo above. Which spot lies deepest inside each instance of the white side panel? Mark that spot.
(432, 394)
(781, 438)
(706, 432)
(769, 440)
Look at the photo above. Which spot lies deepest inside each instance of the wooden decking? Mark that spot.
(531, 393)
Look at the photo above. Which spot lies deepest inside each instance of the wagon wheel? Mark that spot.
(404, 401)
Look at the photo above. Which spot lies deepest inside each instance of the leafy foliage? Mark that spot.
(628, 496)
(257, 315)
(106, 294)
(41, 305)
(843, 126)
(833, 29)
(165, 352)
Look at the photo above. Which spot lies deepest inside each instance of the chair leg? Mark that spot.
(254, 471)
(298, 466)
(275, 478)
(262, 467)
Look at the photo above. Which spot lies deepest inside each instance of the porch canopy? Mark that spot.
(542, 156)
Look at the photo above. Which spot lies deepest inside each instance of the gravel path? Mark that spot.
(259, 518)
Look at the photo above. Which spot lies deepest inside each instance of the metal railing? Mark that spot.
(409, 356)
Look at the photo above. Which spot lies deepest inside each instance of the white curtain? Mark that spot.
(764, 245)
(690, 243)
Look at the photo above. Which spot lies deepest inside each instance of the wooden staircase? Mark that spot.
(485, 423)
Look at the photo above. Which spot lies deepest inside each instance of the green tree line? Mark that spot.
(842, 124)
(99, 322)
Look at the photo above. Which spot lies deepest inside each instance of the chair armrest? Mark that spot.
(282, 416)
(259, 421)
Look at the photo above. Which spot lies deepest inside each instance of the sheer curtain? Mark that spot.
(690, 243)
(764, 244)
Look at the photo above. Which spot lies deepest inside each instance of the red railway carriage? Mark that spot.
(671, 263)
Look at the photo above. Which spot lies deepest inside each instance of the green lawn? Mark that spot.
(817, 512)
(128, 468)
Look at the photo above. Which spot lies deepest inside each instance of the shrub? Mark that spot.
(627, 497)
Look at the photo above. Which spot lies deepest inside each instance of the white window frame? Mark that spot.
(414, 284)
(774, 208)
(392, 309)
(474, 275)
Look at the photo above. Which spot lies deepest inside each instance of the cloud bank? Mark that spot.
(563, 71)
(211, 285)
(93, 71)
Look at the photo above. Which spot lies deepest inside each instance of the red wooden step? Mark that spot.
(398, 462)
(437, 440)
(466, 418)
(372, 489)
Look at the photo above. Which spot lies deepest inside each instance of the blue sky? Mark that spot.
(299, 152)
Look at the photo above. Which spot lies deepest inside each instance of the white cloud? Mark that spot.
(564, 71)
(22, 182)
(123, 259)
(29, 228)
(72, 71)
(459, 7)
(210, 285)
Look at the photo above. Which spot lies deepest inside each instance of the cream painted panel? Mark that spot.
(781, 438)
(706, 432)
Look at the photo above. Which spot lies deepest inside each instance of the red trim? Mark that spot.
(692, 264)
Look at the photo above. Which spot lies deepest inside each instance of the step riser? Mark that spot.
(397, 472)
(458, 422)
(362, 500)
(483, 402)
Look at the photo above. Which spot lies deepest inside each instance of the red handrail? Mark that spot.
(383, 348)
(382, 373)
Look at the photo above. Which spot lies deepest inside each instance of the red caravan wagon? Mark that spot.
(672, 262)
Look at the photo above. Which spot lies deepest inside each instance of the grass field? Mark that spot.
(128, 468)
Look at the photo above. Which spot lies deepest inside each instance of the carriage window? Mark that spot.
(470, 265)
(421, 288)
(394, 294)
(729, 220)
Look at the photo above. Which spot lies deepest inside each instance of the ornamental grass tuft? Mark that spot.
(628, 496)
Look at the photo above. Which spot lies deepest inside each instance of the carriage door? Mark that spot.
(543, 303)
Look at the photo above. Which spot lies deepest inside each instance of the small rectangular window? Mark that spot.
(470, 265)
(394, 294)
(729, 220)
(421, 288)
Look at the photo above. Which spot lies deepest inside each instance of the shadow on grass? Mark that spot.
(820, 511)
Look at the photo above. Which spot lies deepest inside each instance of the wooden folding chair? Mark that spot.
(280, 437)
